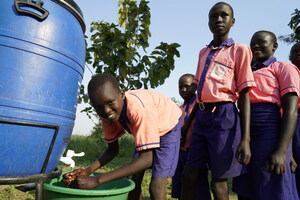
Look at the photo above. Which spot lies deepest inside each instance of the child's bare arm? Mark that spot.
(277, 160)
(107, 156)
(243, 153)
(111, 152)
(144, 161)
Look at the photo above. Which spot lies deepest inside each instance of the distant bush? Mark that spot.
(94, 145)
(125, 142)
(87, 144)
(97, 133)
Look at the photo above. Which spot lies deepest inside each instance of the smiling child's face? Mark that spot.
(262, 46)
(295, 55)
(108, 102)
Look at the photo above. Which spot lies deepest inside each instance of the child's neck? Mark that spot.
(219, 40)
(261, 61)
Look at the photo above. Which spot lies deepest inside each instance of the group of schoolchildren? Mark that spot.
(238, 120)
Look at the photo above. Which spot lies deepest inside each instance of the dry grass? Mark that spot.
(89, 146)
(8, 192)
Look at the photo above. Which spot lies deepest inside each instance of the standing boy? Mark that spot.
(151, 118)
(219, 136)
(187, 90)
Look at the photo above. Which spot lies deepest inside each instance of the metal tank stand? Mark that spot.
(38, 179)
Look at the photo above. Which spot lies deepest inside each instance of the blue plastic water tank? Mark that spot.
(42, 56)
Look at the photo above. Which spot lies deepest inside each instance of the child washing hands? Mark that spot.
(152, 119)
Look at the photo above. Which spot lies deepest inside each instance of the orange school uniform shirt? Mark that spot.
(150, 115)
(274, 81)
(229, 72)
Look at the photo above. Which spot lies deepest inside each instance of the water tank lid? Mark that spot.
(72, 7)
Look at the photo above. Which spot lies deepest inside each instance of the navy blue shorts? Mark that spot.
(215, 139)
(203, 190)
(165, 157)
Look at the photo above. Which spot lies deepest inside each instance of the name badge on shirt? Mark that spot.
(218, 71)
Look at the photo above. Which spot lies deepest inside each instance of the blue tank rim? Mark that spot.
(73, 8)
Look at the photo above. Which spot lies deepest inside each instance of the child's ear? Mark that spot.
(275, 46)
(122, 93)
(233, 21)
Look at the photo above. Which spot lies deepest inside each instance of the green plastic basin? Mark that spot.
(54, 189)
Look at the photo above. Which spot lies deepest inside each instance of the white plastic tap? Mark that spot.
(68, 159)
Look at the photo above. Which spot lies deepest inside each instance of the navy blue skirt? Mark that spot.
(258, 183)
(296, 151)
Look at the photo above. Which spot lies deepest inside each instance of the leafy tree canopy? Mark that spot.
(118, 48)
(294, 24)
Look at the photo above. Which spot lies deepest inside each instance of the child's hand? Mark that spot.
(277, 163)
(243, 153)
(86, 182)
(293, 164)
(70, 177)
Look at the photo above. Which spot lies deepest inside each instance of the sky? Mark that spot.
(186, 23)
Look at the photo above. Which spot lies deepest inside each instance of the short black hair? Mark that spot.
(100, 80)
(296, 44)
(223, 3)
(273, 36)
(187, 75)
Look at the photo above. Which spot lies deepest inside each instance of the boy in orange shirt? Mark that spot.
(154, 122)
(221, 134)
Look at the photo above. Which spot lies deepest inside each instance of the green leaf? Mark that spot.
(155, 52)
(116, 49)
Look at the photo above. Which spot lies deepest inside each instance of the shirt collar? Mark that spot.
(123, 118)
(124, 111)
(229, 42)
(266, 63)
